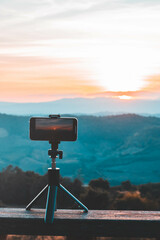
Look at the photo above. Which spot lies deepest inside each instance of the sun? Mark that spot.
(124, 97)
(119, 69)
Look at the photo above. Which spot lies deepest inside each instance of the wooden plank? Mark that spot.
(107, 223)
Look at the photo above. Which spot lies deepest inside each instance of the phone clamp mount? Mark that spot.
(54, 184)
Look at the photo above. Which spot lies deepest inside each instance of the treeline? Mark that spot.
(18, 188)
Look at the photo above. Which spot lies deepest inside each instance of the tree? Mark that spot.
(134, 201)
(96, 198)
(99, 183)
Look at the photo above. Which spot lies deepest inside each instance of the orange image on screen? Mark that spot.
(54, 124)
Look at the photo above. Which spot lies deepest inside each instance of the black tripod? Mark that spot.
(52, 186)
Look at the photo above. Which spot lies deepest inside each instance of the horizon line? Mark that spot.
(87, 97)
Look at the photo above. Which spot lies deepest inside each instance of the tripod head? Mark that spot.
(54, 152)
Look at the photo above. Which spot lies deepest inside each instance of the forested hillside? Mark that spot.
(18, 188)
(114, 147)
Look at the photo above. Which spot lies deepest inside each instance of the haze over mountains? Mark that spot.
(118, 148)
(101, 106)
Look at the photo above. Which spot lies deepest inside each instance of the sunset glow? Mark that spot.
(50, 51)
(125, 97)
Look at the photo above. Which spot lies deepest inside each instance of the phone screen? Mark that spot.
(59, 129)
(58, 125)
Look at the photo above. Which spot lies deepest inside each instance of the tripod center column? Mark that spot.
(53, 163)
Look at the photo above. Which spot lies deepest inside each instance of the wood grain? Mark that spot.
(109, 223)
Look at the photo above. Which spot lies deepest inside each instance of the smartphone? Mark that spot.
(53, 129)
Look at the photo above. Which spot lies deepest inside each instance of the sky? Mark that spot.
(90, 48)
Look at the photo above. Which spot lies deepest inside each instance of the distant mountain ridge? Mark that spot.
(89, 106)
(119, 148)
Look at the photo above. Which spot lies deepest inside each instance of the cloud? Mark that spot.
(153, 85)
(24, 21)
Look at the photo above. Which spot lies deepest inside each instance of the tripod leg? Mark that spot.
(36, 198)
(53, 182)
(51, 204)
(73, 197)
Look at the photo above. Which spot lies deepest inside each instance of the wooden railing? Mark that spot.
(109, 223)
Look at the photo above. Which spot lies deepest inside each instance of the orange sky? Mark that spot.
(36, 79)
(83, 49)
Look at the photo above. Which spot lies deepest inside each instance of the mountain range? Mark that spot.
(117, 148)
(94, 106)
